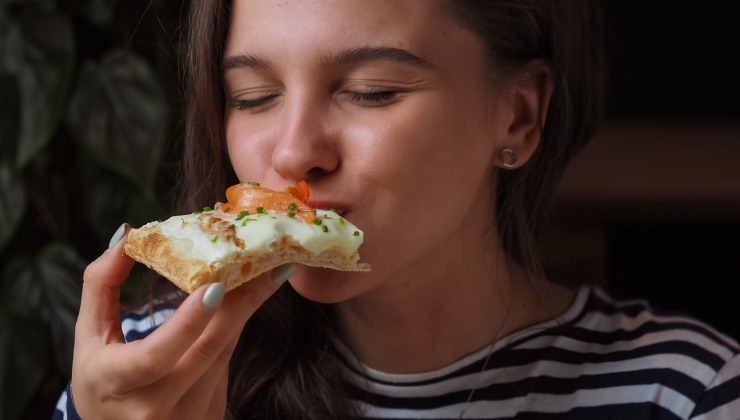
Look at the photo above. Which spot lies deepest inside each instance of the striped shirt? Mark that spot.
(602, 359)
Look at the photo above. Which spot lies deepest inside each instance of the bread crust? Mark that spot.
(173, 259)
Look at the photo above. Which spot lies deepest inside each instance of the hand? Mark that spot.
(180, 370)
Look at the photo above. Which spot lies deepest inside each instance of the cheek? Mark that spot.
(431, 165)
(246, 152)
(429, 149)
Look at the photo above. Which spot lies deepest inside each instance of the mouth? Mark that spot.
(338, 208)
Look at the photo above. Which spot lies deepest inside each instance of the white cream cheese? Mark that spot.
(255, 233)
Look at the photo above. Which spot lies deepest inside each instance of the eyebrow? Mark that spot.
(356, 55)
(243, 60)
(344, 57)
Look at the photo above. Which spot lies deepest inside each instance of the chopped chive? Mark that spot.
(242, 214)
(292, 206)
(244, 222)
(232, 227)
(207, 208)
(341, 221)
(254, 184)
(291, 214)
(215, 238)
(356, 233)
(226, 209)
(261, 210)
(326, 216)
(325, 228)
(317, 221)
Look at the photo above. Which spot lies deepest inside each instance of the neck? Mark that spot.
(429, 318)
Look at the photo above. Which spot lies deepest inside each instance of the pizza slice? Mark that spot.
(257, 230)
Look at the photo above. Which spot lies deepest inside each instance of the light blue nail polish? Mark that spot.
(214, 295)
(283, 273)
(117, 236)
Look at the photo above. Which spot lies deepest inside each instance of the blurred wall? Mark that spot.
(652, 207)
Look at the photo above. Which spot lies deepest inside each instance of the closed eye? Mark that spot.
(376, 97)
(245, 104)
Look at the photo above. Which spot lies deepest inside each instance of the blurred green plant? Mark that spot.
(87, 106)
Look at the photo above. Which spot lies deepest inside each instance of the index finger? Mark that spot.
(99, 316)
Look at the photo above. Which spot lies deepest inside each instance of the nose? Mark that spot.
(307, 147)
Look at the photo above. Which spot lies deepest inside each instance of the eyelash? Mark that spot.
(379, 96)
(245, 104)
(374, 97)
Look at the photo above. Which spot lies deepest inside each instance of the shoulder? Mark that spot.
(677, 362)
(634, 324)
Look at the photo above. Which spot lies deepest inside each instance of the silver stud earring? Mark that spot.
(508, 158)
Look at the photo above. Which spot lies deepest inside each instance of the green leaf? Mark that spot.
(60, 271)
(118, 113)
(12, 202)
(110, 201)
(46, 289)
(39, 50)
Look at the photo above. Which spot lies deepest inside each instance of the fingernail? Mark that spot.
(120, 233)
(214, 295)
(283, 273)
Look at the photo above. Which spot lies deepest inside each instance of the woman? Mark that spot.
(440, 128)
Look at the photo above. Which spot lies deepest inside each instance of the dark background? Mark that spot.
(674, 59)
(675, 69)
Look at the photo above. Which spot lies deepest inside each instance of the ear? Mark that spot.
(527, 99)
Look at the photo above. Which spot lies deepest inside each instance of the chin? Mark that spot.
(324, 285)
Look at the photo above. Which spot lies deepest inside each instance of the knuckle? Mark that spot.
(208, 348)
(92, 271)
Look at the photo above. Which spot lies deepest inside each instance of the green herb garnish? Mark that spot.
(215, 238)
(254, 184)
(261, 210)
(356, 233)
(291, 214)
(242, 214)
(317, 222)
(292, 206)
(325, 228)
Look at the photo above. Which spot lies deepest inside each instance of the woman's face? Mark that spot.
(385, 108)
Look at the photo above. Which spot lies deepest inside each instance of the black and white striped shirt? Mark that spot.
(602, 359)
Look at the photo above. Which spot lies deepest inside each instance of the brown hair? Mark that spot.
(568, 34)
(285, 365)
